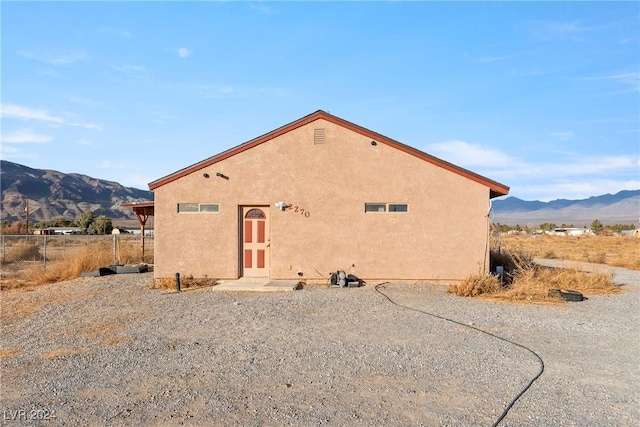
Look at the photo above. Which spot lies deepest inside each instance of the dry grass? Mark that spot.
(526, 282)
(616, 251)
(72, 264)
(23, 251)
(169, 283)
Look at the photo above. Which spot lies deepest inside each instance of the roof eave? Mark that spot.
(496, 189)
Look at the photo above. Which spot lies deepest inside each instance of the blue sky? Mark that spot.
(541, 96)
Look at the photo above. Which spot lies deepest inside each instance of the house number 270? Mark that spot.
(305, 213)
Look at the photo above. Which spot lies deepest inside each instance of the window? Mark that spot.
(187, 207)
(198, 207)
(209, 207)
(375, 207)
(255, 214)
(398, 207)
(386, 207)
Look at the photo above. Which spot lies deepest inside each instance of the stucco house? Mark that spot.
(318, 195)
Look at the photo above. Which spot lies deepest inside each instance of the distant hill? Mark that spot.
(619, 208)
(53, 194)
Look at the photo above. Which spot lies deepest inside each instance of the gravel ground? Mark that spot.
(111, 351)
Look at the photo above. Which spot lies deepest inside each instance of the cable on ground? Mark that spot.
(515, 399)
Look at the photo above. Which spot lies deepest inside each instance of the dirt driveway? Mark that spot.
(112, 351)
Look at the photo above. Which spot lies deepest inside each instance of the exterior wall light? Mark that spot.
(282, 206)
(206, 175)
(374, 143)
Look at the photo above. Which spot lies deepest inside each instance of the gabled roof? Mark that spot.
(496, 189)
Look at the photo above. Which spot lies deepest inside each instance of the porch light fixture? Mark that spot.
(282, 206)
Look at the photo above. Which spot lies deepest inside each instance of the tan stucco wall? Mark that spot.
(443, 236)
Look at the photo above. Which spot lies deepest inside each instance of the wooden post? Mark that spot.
(143, 211)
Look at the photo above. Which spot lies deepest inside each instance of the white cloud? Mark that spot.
(90, 126)
(553, 30)
(26, 113)
(261, 8)
(5, 149)
(470, 155)
(183, 52)
(631, 79)
(578, 165)
(63, 60)
(493, 58)
(558, 175)
(466, 154)
(24, 136)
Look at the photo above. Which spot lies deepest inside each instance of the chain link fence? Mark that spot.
(30, 249)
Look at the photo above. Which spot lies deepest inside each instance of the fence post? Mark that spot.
(44, 251)
(3, 248)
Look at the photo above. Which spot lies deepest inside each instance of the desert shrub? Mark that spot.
(68, 259)
(527, 282)
(23, 251)
(597, 258)
(476, 285)
(533, 285)
(513, 262)
(72, 265)
(189, 282)
(130, 252)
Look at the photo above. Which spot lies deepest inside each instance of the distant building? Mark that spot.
(571, 232)
(59, 231)
(130, 230)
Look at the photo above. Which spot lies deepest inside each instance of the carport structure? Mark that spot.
(143, 211)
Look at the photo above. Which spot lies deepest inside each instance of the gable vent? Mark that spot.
(318, 136)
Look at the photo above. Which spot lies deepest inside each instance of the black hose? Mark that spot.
(515, 399)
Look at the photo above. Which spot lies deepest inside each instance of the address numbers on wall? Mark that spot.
(302, 211)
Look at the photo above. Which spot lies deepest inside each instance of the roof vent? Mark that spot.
(318, 136)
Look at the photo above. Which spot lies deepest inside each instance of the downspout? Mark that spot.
(487, 253)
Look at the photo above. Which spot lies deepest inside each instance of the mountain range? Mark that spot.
(620, 208)
(53, 194)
